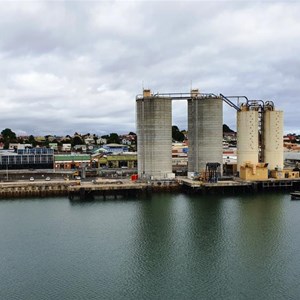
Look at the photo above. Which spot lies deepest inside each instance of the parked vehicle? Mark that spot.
(31, 179)
(48, 178)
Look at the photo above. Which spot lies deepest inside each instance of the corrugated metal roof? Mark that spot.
(71, 157)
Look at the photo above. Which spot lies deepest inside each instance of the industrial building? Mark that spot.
(154, 122)
(28, 158)
(71, 161)
(259, 135)
(120, 160)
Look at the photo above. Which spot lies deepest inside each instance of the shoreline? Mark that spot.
(74, 189)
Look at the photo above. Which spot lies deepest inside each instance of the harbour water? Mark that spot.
(171, 246)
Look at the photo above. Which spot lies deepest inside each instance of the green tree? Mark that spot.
(8, 134)
(77, 140)
(226, 128)
(95, 137)
(8, 137)
(20, 140)
(32, 141)
(113, 139)
(177, 135)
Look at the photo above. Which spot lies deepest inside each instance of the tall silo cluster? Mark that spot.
(259, 135)
(205, 132)
(154, 131)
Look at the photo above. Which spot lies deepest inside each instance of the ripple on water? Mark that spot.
(169, 247)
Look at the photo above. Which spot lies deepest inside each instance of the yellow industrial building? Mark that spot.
(250, 171)
(259, 140)
(128, 160)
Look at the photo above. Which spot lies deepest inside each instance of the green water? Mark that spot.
(166, 247)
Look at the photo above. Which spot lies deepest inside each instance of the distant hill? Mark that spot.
(226, 129)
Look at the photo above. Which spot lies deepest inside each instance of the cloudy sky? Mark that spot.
(78, 66)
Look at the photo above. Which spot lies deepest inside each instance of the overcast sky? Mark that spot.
(77, 66)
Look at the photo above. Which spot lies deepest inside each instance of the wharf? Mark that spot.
(42, 188)
(105, 189)
(238, 185)
(71, 188)
(197, 184)
(232, 186)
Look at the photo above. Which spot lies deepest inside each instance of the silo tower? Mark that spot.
(273, 136)
(154, 134)
(205, 131)
(247, 135)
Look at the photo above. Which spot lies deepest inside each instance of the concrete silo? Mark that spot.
(273, 138)
(154, 134)
(247, 136)
(205, 132)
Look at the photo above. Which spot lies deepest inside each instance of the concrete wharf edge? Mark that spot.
(74, 190)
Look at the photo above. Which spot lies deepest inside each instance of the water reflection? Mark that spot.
(177, 237)
(245, 238)
(167, 247)
(205, 244)
(260, 240)
(153, 243)
(215, 243)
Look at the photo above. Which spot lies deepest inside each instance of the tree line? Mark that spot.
(8, 136)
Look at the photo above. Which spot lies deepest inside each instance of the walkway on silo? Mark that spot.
(187, 96)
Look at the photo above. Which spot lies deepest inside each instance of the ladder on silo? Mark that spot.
(260, 106)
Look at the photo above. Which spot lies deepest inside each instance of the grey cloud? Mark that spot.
(77, 66)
